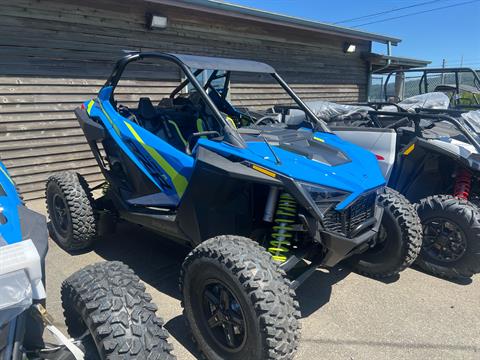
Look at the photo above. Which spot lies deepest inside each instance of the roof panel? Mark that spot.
(219, 63)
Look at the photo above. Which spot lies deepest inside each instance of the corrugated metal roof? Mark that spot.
(228, 9)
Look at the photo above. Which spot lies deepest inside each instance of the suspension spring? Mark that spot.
(282, 234)
(463, 183)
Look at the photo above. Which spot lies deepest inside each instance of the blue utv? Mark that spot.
(262, 206)
(91, 298)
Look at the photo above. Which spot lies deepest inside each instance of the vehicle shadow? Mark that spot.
(157, 261)
(315, 292)
(458, 281)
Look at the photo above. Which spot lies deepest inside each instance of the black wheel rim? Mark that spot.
(223, 316)
(60, 214)
(443, 240)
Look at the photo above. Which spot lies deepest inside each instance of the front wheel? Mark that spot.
(398, 242)
(451, 240)
(107, 301)
(237, 301)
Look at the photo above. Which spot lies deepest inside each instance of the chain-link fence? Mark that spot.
(415, 85)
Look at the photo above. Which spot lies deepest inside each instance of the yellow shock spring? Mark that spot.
(285, 217)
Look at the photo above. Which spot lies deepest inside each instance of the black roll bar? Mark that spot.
(416, 117)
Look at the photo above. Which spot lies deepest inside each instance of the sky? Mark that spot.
(448, 33)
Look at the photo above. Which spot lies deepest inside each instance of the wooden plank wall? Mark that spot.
(55, 55)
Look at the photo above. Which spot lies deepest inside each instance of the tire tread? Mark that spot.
(266, 285)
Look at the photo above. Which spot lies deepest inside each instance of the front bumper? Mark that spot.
(340, 247)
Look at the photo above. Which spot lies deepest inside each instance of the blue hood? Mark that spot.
(10, 230)
(355, 170)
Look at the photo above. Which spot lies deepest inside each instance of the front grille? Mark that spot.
(346, 221)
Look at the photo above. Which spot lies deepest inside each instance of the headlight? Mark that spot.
(324, 197)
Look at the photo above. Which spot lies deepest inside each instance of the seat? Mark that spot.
(146, 110)
(182, 126)
(174, 124)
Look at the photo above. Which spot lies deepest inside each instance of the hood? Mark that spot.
(10, 229)
(316, 158)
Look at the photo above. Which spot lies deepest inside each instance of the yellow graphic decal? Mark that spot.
(89, 106)
(115, 127)
(179, 181)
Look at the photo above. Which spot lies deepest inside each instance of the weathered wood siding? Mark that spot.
(54, 55)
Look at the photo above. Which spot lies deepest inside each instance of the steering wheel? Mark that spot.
(208, 134)
(266, 120)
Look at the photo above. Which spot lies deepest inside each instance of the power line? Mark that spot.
(387, 11)
(417, 13)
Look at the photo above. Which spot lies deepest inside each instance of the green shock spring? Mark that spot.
(285, 217)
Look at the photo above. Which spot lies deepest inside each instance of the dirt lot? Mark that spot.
(344, 315)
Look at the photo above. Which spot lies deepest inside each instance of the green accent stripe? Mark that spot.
(179, 181)
(171, 122)
(230, 120)
(89, 106)
(200, 125)
(115, 127)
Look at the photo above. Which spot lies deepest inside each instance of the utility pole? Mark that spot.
(443, 74)
(460, 74)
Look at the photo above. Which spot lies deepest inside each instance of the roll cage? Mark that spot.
(188, 62)
(435, 115)
(423, 84)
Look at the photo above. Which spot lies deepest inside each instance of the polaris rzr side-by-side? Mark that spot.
(262, 206)
(437, 166)
(107, 311)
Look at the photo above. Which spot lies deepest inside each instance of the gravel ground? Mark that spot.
(344, 315)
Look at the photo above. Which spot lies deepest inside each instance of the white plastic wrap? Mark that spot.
(433, 100)
(15, 295)
(23, 255)
(473, 118)
(327, 110)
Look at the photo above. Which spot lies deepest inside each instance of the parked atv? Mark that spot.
(437, 166)
(256, 202)
(107, 311)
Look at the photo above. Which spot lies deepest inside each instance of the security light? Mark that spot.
(155, 21)
(349, 48)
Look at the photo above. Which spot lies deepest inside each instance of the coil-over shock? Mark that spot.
(282, 231)
(463, 183)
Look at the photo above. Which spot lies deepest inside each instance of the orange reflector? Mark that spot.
(264, 171)
(409, 149)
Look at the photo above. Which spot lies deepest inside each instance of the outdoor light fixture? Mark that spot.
(349, 48)
(156, 21)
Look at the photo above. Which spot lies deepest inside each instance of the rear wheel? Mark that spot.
(398, 242)
(108, 302)
(70, 208)
(237, 301)
(451, 240)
